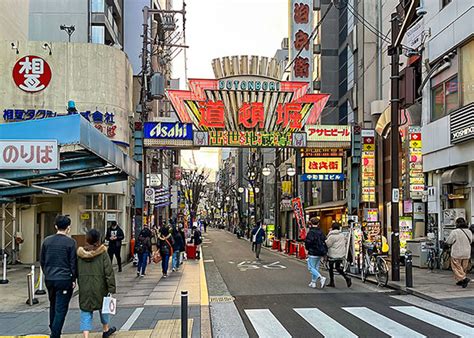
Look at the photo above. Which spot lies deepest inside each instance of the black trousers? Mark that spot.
(59, 294)
(337, 264)
(258, 248)
(115, 251)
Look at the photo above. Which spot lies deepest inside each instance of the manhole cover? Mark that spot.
(221, 299)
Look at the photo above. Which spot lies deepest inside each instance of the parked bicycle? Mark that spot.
(438, 258)
(374, 264)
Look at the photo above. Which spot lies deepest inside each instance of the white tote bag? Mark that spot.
(109, 305)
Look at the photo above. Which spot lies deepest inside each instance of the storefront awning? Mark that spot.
(87, 157)
(455, 176)
(327, 206)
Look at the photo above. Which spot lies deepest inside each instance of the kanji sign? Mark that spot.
(322, 177)
(323, 165)
(299, 216)
(301, 47)
(251, 139)
(415, 159)
(31, 74)
(328, 133)
(368, 166)
(29, 154)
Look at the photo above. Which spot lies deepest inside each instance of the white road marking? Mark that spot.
(436, 320)
(266, 324)
(382, 323)
(131, 320)
(327, 326)
(208, 261)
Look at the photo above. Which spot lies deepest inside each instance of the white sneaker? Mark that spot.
(322, 281)
(312, 285)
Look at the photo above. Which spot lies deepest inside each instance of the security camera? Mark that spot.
(45, 46)
(446, 58)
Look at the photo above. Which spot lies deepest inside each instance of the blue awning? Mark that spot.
(93, 159)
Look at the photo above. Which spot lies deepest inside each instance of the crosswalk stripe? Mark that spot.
(131, 320)
(266, 324)
(327, 326)
(433, 319)
(382, 323)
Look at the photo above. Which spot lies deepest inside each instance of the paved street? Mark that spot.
(272, 299)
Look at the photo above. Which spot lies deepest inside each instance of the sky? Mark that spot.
(217, 28)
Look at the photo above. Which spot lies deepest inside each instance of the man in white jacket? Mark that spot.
(336, 243)
(460, 240)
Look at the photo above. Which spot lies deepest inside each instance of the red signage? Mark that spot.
(299, 216)
(31, 74)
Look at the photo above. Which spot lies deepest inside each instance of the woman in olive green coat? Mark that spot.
(96, 280)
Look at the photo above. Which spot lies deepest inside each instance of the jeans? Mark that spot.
(164, 263)
(59, 294)
(339, 269)
(258, 248)
(142, 262)
(313, 267)
(176, 255)
(86, 320)
(115, 251)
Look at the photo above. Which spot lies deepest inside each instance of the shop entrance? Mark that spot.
(44, 228)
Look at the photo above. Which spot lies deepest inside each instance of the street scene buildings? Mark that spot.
(338, 134)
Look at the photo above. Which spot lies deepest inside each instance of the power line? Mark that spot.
(311, 36)
(366, 24)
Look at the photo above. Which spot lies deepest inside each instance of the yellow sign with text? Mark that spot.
(323, 165)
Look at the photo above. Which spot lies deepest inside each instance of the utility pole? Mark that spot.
(394, 52)
(276, 194)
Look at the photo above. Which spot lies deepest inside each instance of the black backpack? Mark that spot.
(140, 245)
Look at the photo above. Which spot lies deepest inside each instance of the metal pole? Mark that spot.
(40, 290)
(4, 279)
(14, 254)
(408, 270)
(29, 301)
(394, 136)
(184, 314)
(33, 278)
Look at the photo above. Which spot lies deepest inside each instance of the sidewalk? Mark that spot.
(146, 306)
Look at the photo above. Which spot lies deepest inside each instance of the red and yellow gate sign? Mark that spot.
(248, 111)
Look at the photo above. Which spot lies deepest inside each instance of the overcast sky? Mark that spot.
(217, 28)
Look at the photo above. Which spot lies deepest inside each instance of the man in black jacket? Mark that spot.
(59, 264)
(315, 243)
(115, 237)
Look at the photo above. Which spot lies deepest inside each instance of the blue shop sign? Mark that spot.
(16, 115)
(322, 177)
(168, 130)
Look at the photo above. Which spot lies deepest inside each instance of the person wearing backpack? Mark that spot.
(460, 240)
(258, 236)
(315, 243)
(143, 250)
(336, 243)
(165, 245)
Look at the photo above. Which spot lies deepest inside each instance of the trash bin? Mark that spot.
(190, 251)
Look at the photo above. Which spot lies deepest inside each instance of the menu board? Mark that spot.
(373, 233)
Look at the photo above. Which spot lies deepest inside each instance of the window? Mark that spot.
(444, 3)
(100, 210)
(467, 73)
(445, 98)
(98, 34)
(97, 6)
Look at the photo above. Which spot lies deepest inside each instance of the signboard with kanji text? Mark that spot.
(323, 165)
(29, 154)
(328, 133)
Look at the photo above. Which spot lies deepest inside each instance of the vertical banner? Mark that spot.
(415, 160)
(301, 25)
(368, 166)
(299, 216)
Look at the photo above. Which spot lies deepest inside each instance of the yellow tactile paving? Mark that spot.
(171, 328)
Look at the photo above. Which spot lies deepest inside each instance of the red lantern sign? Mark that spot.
(31, 74)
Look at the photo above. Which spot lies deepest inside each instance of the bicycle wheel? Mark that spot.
(431, 261)
(381, 274)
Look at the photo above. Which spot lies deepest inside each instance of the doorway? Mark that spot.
(44, 228)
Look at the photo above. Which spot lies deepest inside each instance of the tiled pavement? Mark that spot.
(154, 300)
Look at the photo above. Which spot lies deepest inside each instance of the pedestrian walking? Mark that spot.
(59, 264)
(165, 245)
(336, 244)
(258, 236)
(115, 237)
(182, 253)
(317, 249)
(143, 250)
(96, 280)
(197, 240)
(178, 247)
(460, 240)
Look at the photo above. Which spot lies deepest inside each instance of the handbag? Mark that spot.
(156, 257)
(109, 305)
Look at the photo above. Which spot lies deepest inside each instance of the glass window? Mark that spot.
(88, 201)
(98, 34)
(98, 201)
(438, 102)
(97, 6)
(112, 202)
(467, 73)
(446, 2)
(452, 97)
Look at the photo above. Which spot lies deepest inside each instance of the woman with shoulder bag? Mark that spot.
(165, 245)
(460, 240)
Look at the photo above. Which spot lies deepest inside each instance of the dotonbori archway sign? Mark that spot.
(247, 111)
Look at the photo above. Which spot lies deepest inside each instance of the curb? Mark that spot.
(206, 328)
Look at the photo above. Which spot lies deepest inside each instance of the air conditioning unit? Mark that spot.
(317, 48)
